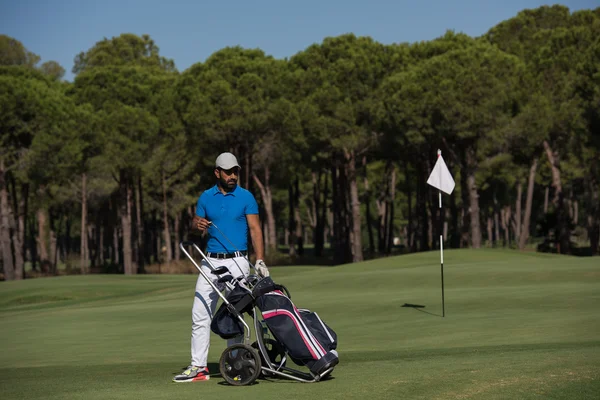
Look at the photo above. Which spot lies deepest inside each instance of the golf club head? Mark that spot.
(220, 270)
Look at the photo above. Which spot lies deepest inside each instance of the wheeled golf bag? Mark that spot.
(307, 340)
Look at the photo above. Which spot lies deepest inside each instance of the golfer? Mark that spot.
(235, 212)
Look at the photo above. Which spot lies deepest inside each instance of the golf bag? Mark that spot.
(224, 322)
(307, 339)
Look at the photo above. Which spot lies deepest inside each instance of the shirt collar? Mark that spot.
(215, 191)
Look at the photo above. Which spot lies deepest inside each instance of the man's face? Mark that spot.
(228, 178)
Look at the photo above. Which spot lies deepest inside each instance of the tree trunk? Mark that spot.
(475, 231)
(155, 237)
(265, 192)
(336, 228)
(322, 219)
(291, 221)
(92, 254)
(316, 212)
(53, 253)
(42, 239)
(342, 250)
(166, 231)
(422, 216)
(433, 235)
(160, 254)
(83, 249)
(126, 203)
(355, 236)
(454, 218)
(556, 181)
(367, 201)
(409, 224)
(528, 205)
(496, 227)
(318, 231)
(475, 228)
(311, 215)
(381, 205)
(465, 225)
(31, 243)
(505, 218)
(139, 225)
(176, 228)
(22, 216)
(101, 245)
(546, 199)
(7, 256)
(517, 218)
(593, 218)
(67, 238)
(51, 223)
(299, 232)
(490, 226)
(14, 214)
(116, 248)
(299, 225)
(392, 199)
(593, 229)
(562, 229)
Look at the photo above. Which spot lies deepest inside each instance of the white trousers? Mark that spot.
(205, 303)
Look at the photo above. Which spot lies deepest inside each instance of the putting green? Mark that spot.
(517, 326)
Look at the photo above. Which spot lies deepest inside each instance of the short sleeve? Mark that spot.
(251, 206)
(201, 207)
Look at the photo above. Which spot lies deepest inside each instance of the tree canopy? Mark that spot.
(335, 142)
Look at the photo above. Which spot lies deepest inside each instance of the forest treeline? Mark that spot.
(336, 142)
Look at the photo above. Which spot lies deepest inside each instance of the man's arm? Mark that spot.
(256, 235)
(199, 222)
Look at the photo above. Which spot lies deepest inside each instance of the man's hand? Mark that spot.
(261, 268)
(200, 223)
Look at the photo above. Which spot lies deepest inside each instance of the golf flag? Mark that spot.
(440, 177)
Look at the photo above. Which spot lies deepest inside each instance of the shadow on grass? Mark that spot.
(274, 379)
(420, 308)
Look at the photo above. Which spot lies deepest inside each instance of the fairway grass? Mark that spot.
(517, 326)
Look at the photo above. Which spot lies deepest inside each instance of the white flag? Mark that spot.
(440, 177)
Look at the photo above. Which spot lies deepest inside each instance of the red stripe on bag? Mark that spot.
(271, 314)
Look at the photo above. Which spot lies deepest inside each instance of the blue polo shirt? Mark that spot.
(228, 212)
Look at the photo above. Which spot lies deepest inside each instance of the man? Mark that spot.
(234, 212)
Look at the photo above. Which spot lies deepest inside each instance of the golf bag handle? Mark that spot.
(183, 246)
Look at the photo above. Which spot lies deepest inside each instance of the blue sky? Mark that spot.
(190, 31)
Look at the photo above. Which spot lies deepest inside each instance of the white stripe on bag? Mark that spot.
(310, 335)
(307, 333)
(324, 328)
(305, 338)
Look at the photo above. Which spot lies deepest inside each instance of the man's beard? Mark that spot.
(228, 184)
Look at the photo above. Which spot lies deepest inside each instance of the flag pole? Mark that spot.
(441, 229)
(442, 252)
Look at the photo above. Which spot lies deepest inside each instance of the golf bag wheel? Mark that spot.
(240, 365)
(275, 352)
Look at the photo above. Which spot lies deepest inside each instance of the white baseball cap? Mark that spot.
(226, 161)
